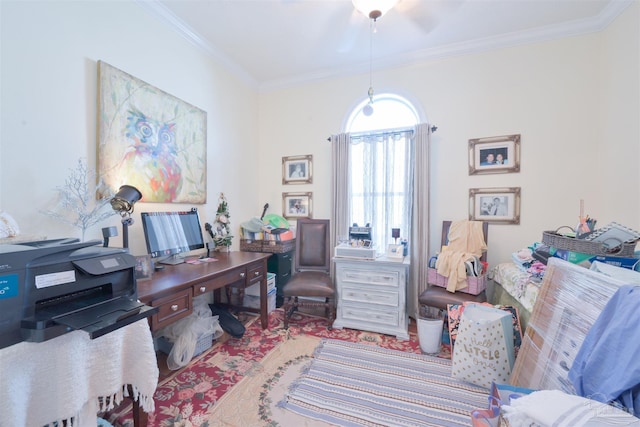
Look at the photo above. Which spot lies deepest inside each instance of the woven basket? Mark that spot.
(475, 285)
(269, 246)
(558, 241)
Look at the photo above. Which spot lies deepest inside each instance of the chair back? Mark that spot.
(445, 236)
(313, 251)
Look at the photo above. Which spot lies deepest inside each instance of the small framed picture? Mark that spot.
(498, 154)
(144, 267)
(296, 205)
(395, 251)
(297, 169)
(501, 205)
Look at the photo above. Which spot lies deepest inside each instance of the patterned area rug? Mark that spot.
(353, 384)
(214, 382)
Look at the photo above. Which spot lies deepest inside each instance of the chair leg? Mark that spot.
(290, 305)
(331, 314)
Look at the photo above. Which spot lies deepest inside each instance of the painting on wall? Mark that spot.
(149, 139)
(500, 205)
(498, 154)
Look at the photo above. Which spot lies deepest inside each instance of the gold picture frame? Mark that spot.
(149, 139)
(297, 169)
(497, 154)
(498, 205)
(297, 205)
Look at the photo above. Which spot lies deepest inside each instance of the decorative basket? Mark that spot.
(475, 285)
(558, 241)
(270, 246)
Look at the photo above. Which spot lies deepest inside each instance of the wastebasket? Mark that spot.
(430, 326)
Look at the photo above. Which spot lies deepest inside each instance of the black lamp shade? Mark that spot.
(125, 198)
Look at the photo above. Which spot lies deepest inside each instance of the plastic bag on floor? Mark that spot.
(184, 333)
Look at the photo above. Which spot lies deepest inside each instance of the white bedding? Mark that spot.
(517, 283)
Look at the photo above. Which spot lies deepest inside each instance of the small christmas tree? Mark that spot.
(222, 226)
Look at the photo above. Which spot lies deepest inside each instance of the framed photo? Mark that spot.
(297, 169)
(149, 139)
(296, 205)
(395, 251)
(144, 267)
(498, 154)
(501, 205)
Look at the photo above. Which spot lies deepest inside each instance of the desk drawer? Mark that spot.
(255, 273)
(171, 308)
(229, 278)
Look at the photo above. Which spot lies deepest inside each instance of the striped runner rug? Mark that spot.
(353, 384)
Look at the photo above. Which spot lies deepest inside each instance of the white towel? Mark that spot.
(63, 378)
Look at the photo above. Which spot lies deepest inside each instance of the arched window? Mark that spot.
(390, 111)
(381, 167)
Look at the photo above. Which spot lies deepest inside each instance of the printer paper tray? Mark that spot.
(107, 317)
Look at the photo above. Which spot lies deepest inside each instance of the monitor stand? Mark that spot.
(172, 260)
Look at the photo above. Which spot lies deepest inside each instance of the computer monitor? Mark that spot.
(171, 235)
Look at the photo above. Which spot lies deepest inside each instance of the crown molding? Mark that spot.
(552, 32)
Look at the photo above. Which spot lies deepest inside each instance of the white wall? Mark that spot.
(567, 99)
(49, 85)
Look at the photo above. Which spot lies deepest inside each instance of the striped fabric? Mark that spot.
(352, 384)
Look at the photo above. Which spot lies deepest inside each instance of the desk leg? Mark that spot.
(140, 417)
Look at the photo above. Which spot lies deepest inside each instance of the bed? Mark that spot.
(510, 285)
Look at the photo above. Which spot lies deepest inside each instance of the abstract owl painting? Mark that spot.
(152, 159)
(150, 140)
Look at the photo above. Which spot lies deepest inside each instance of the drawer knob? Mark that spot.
(242, 275)
(174, 307)
(203, 289)
(257, 273)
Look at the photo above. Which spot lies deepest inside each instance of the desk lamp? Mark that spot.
(123, 203)
(395, 233)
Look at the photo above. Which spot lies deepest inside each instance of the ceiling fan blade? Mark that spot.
(355, 26)
(427, 15)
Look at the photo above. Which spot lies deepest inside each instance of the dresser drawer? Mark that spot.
(383, 278)
(369, 296)
(230, 278)
(386, 318)
(171, 308)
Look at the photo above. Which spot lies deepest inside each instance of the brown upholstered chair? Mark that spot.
(312, 273)
(438, 297)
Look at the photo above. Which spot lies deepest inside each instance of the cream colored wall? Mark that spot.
(567, 98)
(574, 101)
(49, 83)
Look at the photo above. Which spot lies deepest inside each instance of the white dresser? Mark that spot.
(372, 295)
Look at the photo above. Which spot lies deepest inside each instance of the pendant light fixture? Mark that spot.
(367, 110)
(372, 9)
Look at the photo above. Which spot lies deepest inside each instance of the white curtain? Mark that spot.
(340, 186)
(381, 183)
(379, 153)
(419, 250)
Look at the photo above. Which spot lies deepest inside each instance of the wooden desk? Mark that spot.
(172, 290)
